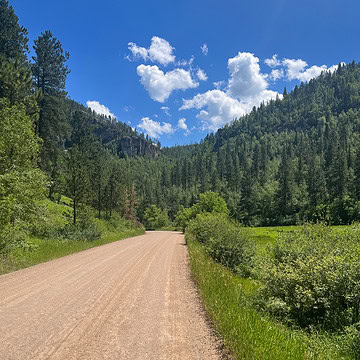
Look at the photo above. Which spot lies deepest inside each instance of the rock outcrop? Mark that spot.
(137, 146)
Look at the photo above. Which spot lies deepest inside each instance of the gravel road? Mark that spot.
(133, 299)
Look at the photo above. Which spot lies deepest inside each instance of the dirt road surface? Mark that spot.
(132, 299)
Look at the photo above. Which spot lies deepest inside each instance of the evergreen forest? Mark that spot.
(288, 161)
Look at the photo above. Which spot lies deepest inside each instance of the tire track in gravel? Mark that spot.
(132, 299)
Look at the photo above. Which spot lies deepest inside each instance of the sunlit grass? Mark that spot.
(49, 249)
(264, 236)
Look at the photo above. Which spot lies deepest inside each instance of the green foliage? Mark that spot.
(51, 218)
(183, 217)
(224, 241)
(155, 218)
(21, 182)
(49, 69)
(19, 146)
(13, 37)
(312, 278)
(249, 334)
(15, 81)
(20, 190)
(12, 237)
(351, 340)
(206, 227)
(209, 203)
(78, 232)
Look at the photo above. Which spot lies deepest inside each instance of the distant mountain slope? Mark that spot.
(303, 108)
(292, 159)
(115, 134)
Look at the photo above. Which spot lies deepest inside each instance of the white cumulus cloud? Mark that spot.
(159, 51)
(201, 75)
(273, 62)
(246, 87)
(155, 128)
(219, 108)
(277, 74)
(295, 69)
(204, 49)
(160, 85)
(99, 108)
(246, 80)
(182, 125)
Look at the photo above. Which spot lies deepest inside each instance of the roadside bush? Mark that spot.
(14, 237)
(208, 226)
(225, 242)
(312, 277)
(50, 219)
(91, 232)
(209, 203)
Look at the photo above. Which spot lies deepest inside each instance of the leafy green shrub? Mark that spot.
(208, 226)
(209, 203)
(155, 218)
(13, 237)
(183, 217)
(225, 242)
(91, 232)
(50, 219)
(233, 250)
(312, 278)
(350, 341)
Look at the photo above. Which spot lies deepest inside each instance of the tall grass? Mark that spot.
(247, 333)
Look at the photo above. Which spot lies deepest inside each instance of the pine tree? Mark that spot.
(49, 69)
(286, 183)
(49, 76)
(78, 161)
(13, 37)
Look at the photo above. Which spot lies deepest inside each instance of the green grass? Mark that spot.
(247, 333)
(49, 249)
(265, 236)
(49, 246)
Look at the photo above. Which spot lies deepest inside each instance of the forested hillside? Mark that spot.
(290, 160)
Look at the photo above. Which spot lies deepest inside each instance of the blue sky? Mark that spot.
(180, 69)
